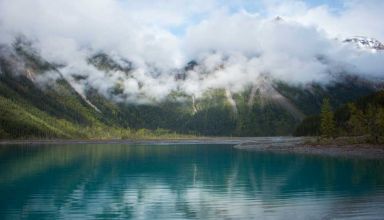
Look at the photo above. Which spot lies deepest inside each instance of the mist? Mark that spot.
(233, 46)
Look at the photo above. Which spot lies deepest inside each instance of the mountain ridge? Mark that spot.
(265, 107)
(365, 43)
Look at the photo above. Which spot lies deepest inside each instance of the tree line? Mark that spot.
(362, 118)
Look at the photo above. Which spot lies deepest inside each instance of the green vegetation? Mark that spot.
(31, 109)
(327, 124)
(355, 124)
(28, 111)
(17, 122)
(362, 119)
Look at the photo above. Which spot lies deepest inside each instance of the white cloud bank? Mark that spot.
(234, 46)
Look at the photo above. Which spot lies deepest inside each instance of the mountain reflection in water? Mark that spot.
(182, 182)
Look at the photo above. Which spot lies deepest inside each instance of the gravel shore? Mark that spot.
(300, 146)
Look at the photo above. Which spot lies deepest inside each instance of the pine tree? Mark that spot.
(380, 122)
(373, 123)
(355, 122)
(327, 124)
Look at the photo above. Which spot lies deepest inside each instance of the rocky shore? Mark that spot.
(307, 146)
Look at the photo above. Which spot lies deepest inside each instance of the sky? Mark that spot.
(254, 6)
(243, 37)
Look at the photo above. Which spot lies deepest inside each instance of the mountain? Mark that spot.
(366, 43)
(38, 101)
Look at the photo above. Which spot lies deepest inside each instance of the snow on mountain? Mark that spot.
(366, 43)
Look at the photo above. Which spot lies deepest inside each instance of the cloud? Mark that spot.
(364, 18)
(234, 42)
(99, 24)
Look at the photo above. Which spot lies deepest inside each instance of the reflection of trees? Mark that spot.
(190, 181)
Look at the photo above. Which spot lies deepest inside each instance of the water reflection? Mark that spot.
(182, 182)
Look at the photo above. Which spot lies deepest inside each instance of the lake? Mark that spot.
(184, 181)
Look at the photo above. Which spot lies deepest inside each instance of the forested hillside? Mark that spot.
(362, 117)
(37, 101)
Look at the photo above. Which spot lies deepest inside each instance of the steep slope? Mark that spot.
(31, 109)
(36, 100)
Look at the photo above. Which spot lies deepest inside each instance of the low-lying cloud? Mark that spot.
(233, 46)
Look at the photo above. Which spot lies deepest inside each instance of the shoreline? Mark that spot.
(293, 145)
(201, 140)
(362, 151)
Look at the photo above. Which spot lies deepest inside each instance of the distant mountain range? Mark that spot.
(37, 101)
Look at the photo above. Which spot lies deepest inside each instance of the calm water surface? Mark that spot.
(184, 182)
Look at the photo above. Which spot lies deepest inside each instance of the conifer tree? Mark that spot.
(373, 123)
(355, 122)
(327, 124)
(380, 122)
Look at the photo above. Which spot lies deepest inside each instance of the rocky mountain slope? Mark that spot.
(37, 100)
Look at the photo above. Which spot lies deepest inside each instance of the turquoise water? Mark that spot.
(184, 182)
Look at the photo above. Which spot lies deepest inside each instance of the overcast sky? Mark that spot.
(169, 33)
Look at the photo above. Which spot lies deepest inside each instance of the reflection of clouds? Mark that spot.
(158, 201)
(168, 182)
(194, 174)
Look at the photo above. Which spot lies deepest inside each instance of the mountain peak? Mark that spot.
(278, 19)
(365, 43)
